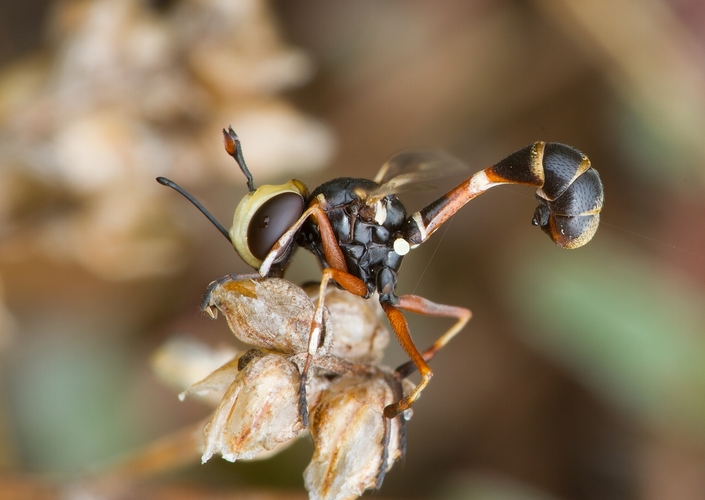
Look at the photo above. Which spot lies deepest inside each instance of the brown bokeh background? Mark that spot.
(581, 374)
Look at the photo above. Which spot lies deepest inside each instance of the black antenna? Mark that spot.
(234, 149)
(166, 182)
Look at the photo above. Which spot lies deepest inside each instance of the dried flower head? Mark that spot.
(270, 313)
(355, 444)
(259, 412)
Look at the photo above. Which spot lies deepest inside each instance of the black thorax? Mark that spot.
(367, 244)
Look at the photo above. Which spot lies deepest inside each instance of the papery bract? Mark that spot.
(355, 444)
(258, 411)
(270, 313)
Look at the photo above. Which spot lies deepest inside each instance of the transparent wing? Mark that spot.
(411, 170)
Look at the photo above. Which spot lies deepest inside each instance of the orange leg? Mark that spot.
(350, 283)
(401, 330)
(419, 305)
(316, 210)
(418, 361)
(346, 280)
(331, 249)
(338, 271)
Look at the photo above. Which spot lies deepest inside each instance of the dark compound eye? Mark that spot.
(271, 221)
(263, 216)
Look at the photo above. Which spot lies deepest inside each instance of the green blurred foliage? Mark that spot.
(628, 327)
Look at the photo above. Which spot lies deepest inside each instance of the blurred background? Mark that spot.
(581, 374)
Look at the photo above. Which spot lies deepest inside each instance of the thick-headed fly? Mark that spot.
(360, 231)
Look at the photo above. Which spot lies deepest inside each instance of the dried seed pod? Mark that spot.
(360, 331)
(258, 411)
(270, 313)
(355, 443)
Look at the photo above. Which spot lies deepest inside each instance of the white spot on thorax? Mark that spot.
(401, 246)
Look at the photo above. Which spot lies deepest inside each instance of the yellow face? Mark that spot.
(263, 216)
